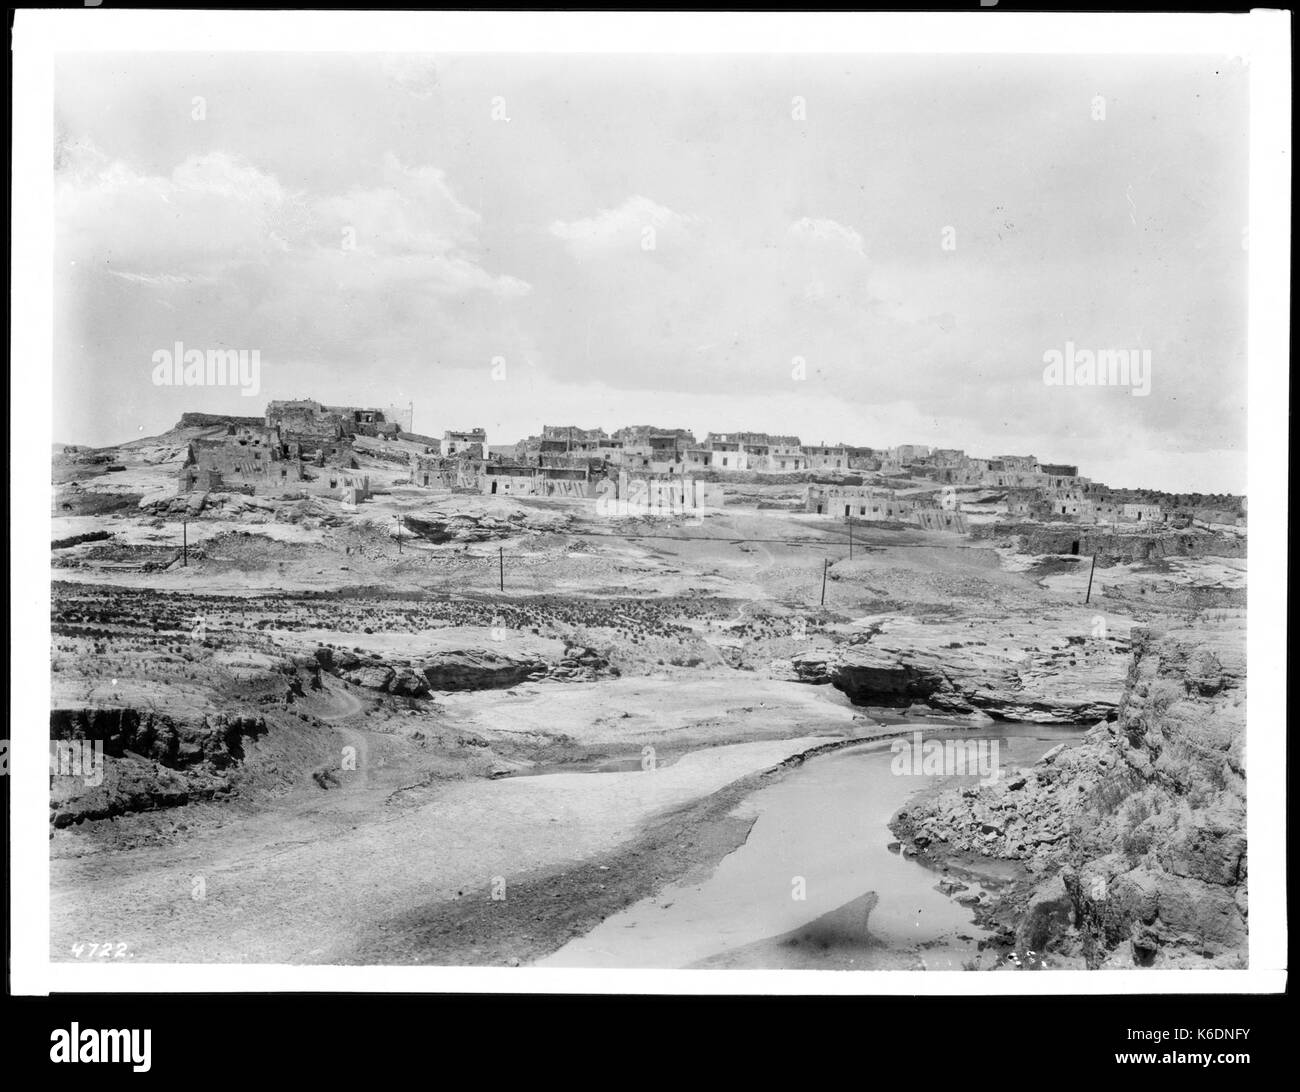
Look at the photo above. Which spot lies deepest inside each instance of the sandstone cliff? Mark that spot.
(1134, 840)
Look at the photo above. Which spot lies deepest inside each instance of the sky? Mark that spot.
(868, 249)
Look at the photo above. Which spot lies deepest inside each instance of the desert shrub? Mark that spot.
(1138, 826)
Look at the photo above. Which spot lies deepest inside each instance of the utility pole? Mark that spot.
(826, 564)
(501, 566)
(1090, 572)
(185, 544)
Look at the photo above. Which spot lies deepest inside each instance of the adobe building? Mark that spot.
(246, 459)
(872, 504)
(757, 451)
(196, 479)
(471, 444)
(529, 480)
(640, 435)
(656, 453)
(698, 458)
(1011, 477)
(348, 486)
(858, 502)
(826, 457)
(308, 418)
(1025, 463)
(863, 458)
(460, 474)
(582, 440)
(726, 454)
(785, 455)
(1144, 513)
(1101, 510)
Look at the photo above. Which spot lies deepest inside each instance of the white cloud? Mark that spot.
(414, 73)
(219, 252)
(210, 210)
(827, 231)
(619, 227)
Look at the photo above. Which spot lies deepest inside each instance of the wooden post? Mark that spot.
(399, 533)
(501, 566)
(826, 564)
(185, 544)
(850, 522)
(1090, 572)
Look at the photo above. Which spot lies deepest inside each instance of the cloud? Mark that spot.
(217, 252)
(414, 73)
(621, 227)
(720, 305)
(211, 209)
(411, 233)
(827, 231)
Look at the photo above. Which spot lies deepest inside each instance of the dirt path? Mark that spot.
(348, 705)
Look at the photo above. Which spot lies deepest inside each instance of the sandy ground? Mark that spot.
(668, 714)
(309, 885)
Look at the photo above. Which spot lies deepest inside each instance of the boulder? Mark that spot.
(409, 684)
(372, 678)
(1048, 915)
(478, 669)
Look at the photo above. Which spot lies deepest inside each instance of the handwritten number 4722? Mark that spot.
(100, 951)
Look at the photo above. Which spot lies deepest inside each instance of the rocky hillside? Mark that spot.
(1133, 842)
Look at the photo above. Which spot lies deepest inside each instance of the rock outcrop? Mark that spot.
(176, 744)
(132, 785)
(480, 526)
(1134, 839)
(1076, 680)
(477, 669)
(145, 761)
(461, 669)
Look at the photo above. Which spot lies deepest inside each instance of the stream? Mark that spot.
(816, 884)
